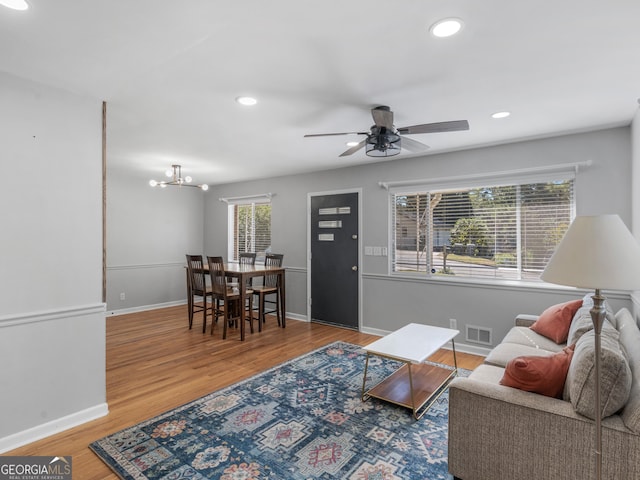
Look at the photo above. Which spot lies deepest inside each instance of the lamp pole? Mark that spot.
(597, 316)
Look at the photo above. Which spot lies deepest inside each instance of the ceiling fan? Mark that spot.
(385, 140)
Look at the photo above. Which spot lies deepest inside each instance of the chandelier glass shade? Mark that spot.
(176, 179)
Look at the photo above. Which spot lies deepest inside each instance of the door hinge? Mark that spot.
(310, 301)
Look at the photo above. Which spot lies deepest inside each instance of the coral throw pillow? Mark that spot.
(543, 375)
(555, 321)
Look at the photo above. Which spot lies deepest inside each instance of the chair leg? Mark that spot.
(259, 320)
(225, 317)
(190, 307)
(261, 308)
(250, 316)
(204, 314)
(278, 307)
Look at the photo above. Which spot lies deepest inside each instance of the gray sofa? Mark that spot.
(498, 432)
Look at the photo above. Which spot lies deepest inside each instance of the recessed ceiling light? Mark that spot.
(352, 144)
(246, 101)
(446, 27)
(15, 4)
(500, 115)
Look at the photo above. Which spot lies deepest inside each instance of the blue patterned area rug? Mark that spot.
(300, 420)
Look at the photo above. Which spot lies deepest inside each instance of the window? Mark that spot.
(502, 231)
(249, 229)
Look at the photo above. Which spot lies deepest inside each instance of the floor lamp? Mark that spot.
(597, 252)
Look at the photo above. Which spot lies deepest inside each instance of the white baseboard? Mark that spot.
(375, 331)
(295, 316)
(30, 435)
(145, 308)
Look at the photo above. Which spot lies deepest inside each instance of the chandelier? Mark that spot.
(175, 174)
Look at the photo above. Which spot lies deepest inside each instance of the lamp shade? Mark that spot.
(597, 252)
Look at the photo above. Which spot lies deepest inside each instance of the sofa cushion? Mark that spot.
(630, 341)
(555, 321)
(543, 375)
(615, 374)
(582, 323)
(527, 337)
(587, 301)
(504, 352)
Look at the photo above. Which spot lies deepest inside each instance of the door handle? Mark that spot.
(354, 268)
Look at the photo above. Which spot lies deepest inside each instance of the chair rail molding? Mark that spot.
(147, 265)
(49, 315)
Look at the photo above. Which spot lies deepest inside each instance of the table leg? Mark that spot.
(189, 300)
(455, 360)
(243, 299)
(283, 306)
(413, 398)
(364, 380)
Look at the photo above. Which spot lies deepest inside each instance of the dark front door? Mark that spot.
(334, 259)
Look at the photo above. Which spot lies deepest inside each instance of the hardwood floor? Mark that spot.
(155, 363)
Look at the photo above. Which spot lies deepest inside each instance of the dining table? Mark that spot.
(244, 272)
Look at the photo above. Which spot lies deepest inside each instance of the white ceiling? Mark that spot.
(170, 71)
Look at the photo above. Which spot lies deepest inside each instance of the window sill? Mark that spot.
(488, 283)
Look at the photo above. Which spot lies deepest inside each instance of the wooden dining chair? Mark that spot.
(247, 258)
(224, 293)
(268, 289)
(197, 287)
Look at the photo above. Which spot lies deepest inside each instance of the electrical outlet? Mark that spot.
(453, 324)
(122, 296)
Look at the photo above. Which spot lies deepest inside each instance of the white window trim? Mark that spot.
(259, 199)
(565, 172)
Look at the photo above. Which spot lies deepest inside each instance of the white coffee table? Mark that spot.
(415, 384)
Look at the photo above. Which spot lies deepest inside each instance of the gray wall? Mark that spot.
(149, 231)
(52, 330)
(391, 301)
(635, 174)
(635, 192)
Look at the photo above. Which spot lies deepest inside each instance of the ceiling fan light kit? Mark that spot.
(383, 144)
(385, 140)
(175, 173)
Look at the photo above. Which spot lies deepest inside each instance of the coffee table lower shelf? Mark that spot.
(412, 386)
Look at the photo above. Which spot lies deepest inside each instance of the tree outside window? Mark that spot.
(505, 232)
(251, 229)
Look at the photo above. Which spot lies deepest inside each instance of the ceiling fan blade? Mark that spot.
(383, 117)
(452, 126)
(333, 134)
(413, 146)
(354, 149)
